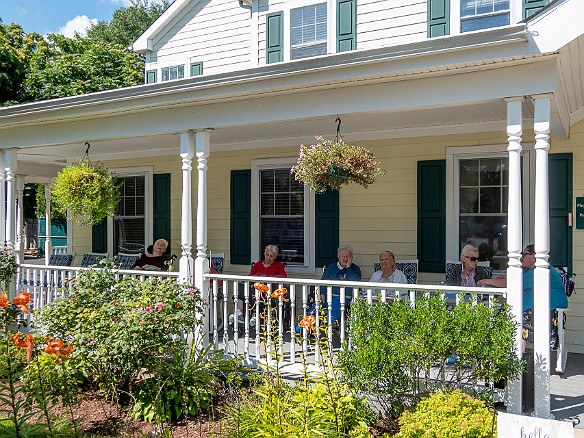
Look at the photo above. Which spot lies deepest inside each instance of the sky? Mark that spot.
(58, 16)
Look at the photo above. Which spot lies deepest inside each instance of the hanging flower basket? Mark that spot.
(88, 191)
(332, 164)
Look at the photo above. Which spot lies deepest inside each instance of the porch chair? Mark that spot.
(408, 267)
(125, 261)
(61, 259)
(92, 259)
(484, 265)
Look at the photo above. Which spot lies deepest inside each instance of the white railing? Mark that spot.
(45, 283)
(61, 249)
(281, 322)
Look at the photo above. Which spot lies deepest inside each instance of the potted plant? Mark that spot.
(332, 164)
(88, 191)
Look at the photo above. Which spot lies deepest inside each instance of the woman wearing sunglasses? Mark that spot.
(468, 273)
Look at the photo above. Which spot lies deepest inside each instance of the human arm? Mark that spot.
(492, 282)
(354, 273)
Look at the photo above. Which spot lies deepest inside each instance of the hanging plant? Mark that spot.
(8, 267)
(88, 191)
(332, 164)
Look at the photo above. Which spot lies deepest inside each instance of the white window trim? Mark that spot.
(148, 172)
(515, 15)
(331, 23)
(453, 157)
(185, 63)
(309, 238)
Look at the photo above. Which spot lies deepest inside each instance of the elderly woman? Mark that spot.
(268, 267)
(468, 273)
(343, 269)
(157, 260)
(388, 273)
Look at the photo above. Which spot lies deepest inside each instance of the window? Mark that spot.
(174, 72)
(130, 218)
(482, 207)
(483, 14)
(282, 214)
(308, 31)
(196, 68)
(151, 76)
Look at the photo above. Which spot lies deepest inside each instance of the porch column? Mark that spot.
(20, 218)
(2, 199)
(541, 277)
(48, 243)
(187, 152)
(10, 164)
(201, 263)
(514, 240)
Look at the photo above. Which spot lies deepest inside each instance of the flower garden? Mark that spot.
(133, 345)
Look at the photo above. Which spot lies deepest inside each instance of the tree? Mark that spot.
(64, 66)
(127, 24)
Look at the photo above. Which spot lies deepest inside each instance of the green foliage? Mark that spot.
(334, 164)
(448, 415)
(8, 266)
(88, 191)
(319, 404)
(123, 328)
(127, 24)
(40, 204)
(178, 389)
(394, 347)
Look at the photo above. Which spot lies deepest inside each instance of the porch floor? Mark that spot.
(567, 392)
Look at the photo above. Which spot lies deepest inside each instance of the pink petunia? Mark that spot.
(148, 309)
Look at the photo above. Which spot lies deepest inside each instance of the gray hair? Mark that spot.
(272, 248)
(345, 248)
(466, 249)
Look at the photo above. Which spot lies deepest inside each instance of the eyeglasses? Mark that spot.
(472, 259)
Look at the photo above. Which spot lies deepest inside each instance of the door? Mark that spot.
(560, 187)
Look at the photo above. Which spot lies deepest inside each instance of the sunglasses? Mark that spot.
(472, 259)
(527, 253)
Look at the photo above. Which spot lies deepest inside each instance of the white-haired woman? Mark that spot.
(157, 260)
(468, 273)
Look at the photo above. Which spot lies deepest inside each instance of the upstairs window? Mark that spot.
(174, 72)
(483, 14)
(308, 31)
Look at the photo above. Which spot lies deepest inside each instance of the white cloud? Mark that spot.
(126, 3)
(79, 24)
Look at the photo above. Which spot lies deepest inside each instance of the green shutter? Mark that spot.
(438, 18)
(274, 38)
(196, 68)
(161, 216)
(240, 209)
(432, 215)
(150, 76)
(560, 168)
(99, 237)
(530, 7)
(327, 227)
(346, 25)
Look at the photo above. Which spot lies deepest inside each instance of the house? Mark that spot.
(475, 108)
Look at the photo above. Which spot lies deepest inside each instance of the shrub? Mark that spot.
(122, 328)
(393, 348)
(448, 415)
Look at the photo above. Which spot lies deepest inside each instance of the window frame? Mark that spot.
(151, 71)
(515, 16)
(309, 211)
(331, 10)
(148, 173)
(453, 157)
(328, 19)
(173, 66)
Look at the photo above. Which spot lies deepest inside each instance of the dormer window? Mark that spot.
(308, 31)
(483, 14)
(172, 73)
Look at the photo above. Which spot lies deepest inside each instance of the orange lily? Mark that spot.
(21, 340)
(22, 299)
(57, 347)
(4, 300)
(307, 322)
(261, 287)
(280, 293)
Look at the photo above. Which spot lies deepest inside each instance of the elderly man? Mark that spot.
(343, 269)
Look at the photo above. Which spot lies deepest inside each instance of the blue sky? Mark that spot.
(57, 16)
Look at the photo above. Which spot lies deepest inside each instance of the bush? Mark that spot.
(448, 415)
(394, 347)
(123, 329)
